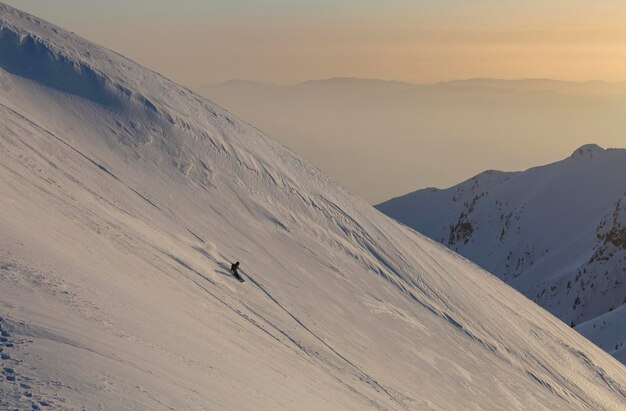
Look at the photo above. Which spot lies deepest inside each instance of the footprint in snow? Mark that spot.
(26, 399)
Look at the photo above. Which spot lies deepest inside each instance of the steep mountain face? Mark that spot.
(607, 331)
(123, 199)
(556, 233)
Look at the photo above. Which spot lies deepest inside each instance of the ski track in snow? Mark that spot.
(317, 337)
(123, 200)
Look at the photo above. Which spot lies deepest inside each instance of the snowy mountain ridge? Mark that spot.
(123, 199)
(556, 233)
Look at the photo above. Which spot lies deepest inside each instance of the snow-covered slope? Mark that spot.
(607, 331)
(556, 233)
(124, 196)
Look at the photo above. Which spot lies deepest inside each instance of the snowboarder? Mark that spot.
(234, 269)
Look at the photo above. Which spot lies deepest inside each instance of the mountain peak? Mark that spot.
(125, 199)
(587, 150)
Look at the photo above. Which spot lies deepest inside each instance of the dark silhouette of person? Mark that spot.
(234, 268)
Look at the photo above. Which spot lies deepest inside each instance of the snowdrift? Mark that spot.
(123, 199)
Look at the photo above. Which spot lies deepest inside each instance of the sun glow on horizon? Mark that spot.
(288, 42)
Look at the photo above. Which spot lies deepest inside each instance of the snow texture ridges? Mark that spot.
(124, 199)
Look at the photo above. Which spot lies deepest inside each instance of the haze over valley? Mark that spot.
(383, 139)
(166, 250)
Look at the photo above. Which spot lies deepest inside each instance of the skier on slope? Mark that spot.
(234, 269)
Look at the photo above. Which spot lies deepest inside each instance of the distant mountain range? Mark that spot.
(398, 136)
(124, 198)
(591, 87)
(556, 233)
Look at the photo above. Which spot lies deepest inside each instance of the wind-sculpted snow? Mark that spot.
(118, 222)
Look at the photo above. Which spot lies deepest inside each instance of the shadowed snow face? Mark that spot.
(117, 226)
